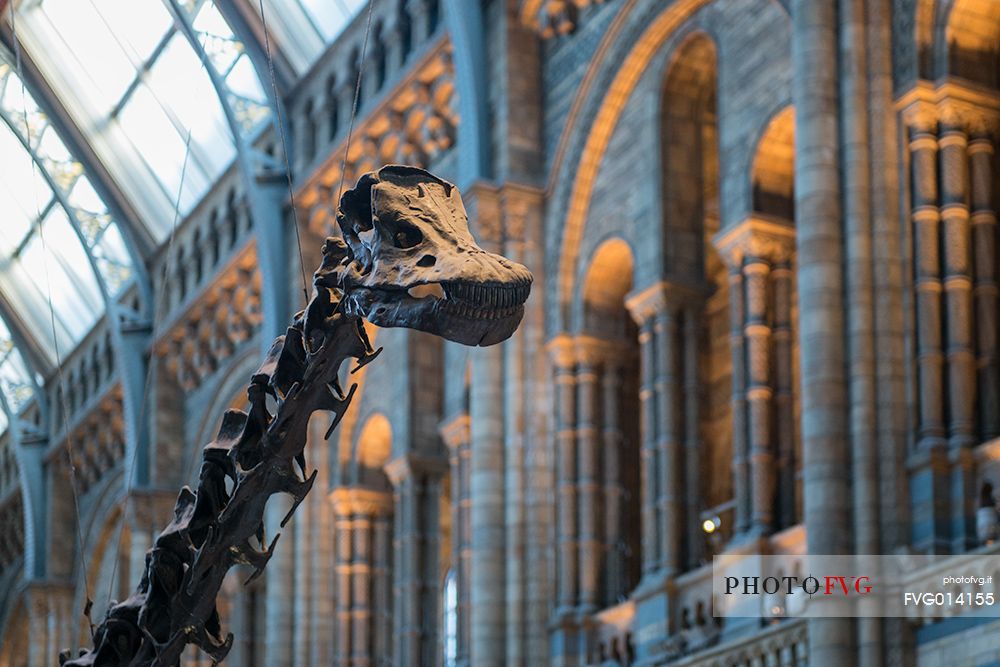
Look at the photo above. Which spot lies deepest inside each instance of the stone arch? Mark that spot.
(229, 393)
(607, 279)
(372, 450)
(107, 581)
(970, 41)
(641, 39)
(690, 156)
(772, 172)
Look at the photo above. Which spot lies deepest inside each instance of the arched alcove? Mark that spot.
(773, 171)
(690, 162)
(606, 472)
(972, 41)
(372, 451)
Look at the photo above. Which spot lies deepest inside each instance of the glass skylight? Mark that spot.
(41, 253)
(126, 71)
(304, 28)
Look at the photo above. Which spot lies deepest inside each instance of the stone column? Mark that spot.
(741, 456)
(456, 436)
(668, 446)
(611, 477)
(820, 271)
(782, 278)
(588, 354)
(959, 355)
(984, 226)
(279, 587)
(694, 494)
(661, 311)
(563, 365)
(417, 589)
(486, 484)
(752, 248)
(957, 279)
(925, 217)
(363, 540)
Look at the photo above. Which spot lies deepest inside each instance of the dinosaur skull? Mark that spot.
(416, 265)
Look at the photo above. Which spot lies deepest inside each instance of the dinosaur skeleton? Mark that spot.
(408, 260)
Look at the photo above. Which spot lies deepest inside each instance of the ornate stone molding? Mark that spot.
(349, 500)
(410, 465)
(227, 313)
(554, 18)
(562, 350)
(756, 238)
(951, 104)
(415, 124)
(661, 296)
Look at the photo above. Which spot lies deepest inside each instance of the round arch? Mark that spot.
(575, 198)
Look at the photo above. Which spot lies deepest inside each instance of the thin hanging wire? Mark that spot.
(158, 299)
(284, 151)
(357, 96)
(60, 380)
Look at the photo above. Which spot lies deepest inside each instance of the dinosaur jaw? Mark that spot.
(464, 312)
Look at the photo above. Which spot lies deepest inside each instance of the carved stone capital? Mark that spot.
(457, 431)
(952, 104)
(350, 500)
(562, 350)
(413, 465)
(756, 238)
(664, 295)
(593, 351)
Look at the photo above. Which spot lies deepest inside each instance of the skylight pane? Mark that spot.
(139, 24)
(161, 146)
(332, 16)
(88, 39)
(179, 78)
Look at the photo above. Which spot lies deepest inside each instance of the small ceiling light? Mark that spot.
(708, 525)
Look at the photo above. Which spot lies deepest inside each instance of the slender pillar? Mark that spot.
(984, 240)
(567, 544)
(925, 217)
(417, 589)
(279, 585)
(693, 487)
(587, 477)
(784, 400)
(752, 248)
(611, 475)
(667, 384)
(741, 455)
(957, 283)
(648, 458)
(50, 614)
(486, 484)
(456, 436)
(364, 566)
(960, 396)
(757, 333)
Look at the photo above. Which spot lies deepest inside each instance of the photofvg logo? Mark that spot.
(853, 586)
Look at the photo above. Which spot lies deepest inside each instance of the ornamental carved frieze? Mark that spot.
(553, 18)
(415, 125)
(225, 315)
(97, 441)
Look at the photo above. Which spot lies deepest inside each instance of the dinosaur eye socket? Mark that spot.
(406, 236)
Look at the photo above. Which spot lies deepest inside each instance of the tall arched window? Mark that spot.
(133, 84)
(449, 626)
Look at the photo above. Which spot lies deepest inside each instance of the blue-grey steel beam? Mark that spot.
(129, 342)
(266, 191)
